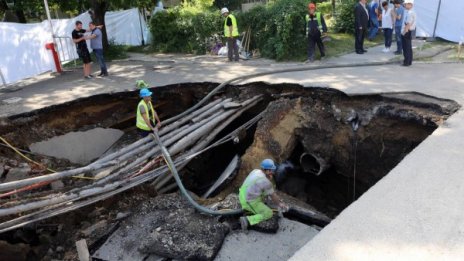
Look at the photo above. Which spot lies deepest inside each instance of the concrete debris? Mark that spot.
(56, 185)
(82, 250)
(188, 236)
(20, 172)
(165, 226)
(122, 215)
(89, 230)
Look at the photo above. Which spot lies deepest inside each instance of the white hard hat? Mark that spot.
(409, 1)
(224, 10)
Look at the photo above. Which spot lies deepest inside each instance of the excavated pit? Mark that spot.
(334, 146)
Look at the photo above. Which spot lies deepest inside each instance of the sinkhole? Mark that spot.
(331, 147)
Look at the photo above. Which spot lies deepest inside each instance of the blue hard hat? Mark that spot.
(268, 164)
(145, 92)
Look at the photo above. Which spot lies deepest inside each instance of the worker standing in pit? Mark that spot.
(146, 114)
(256, 186)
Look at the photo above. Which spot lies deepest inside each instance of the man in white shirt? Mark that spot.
(408, 26)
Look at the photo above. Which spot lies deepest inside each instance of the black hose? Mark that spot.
(184, 192)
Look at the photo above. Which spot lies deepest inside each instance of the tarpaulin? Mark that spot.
(22, 46)
(445, 14)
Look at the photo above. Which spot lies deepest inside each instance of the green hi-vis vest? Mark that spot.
(318, 18)
(140, 122)
(234, 27)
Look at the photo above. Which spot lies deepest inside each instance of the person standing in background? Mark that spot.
(398, 19)
(409, 25)
(387, 26)
(97, 47)
(373, 20)
(361, 18)
(79, 38)
(315, 25)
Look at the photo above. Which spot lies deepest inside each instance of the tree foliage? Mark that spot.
(345, 17)
(184, 29)
(278, 28)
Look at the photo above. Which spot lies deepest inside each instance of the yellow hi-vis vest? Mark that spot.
(140, 122)
(318, 18)
(234, 27)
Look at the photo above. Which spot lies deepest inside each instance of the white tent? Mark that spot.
(22, 46)
(440, 18)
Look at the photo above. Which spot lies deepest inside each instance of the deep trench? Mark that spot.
(330, 192)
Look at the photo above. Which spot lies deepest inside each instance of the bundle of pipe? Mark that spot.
(184, 138)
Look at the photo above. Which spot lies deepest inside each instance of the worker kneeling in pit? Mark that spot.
(255, 188)
(146, 114)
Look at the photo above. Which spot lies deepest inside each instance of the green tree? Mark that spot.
(231, 4)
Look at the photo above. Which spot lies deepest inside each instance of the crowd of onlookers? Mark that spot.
(391, 16)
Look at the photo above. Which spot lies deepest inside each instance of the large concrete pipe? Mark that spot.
(313, 164)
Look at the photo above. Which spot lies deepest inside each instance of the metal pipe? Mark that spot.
(312, 163)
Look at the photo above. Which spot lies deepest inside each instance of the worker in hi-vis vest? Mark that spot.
(231, 34)
(315, 25)
(146, 114)
(255, 188)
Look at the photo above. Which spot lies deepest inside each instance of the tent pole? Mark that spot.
(140, 22)
(47, 10)
(3, 79)
(436, 19)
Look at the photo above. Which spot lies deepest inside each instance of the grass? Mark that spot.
(343, 43)
(147, 49)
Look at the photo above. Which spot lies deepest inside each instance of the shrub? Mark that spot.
(278, 29)
(344, 22)
(184, 30)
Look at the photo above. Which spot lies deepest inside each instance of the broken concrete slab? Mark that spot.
(78, 147)
(91, 229)
(21, 172)
(165, 226)
(82, 250)
(260, 246)
(187, 235)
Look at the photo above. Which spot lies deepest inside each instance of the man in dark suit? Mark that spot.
(361, 19)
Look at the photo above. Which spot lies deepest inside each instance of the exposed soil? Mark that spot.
(361, 138)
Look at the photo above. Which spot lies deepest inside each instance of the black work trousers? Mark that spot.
(359, 39)
(313, 39)
(232, 49)
(406, 41)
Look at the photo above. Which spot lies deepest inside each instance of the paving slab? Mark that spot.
(79, 147)
(261, 246)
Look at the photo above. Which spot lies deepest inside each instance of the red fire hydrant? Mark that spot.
(51, 46)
